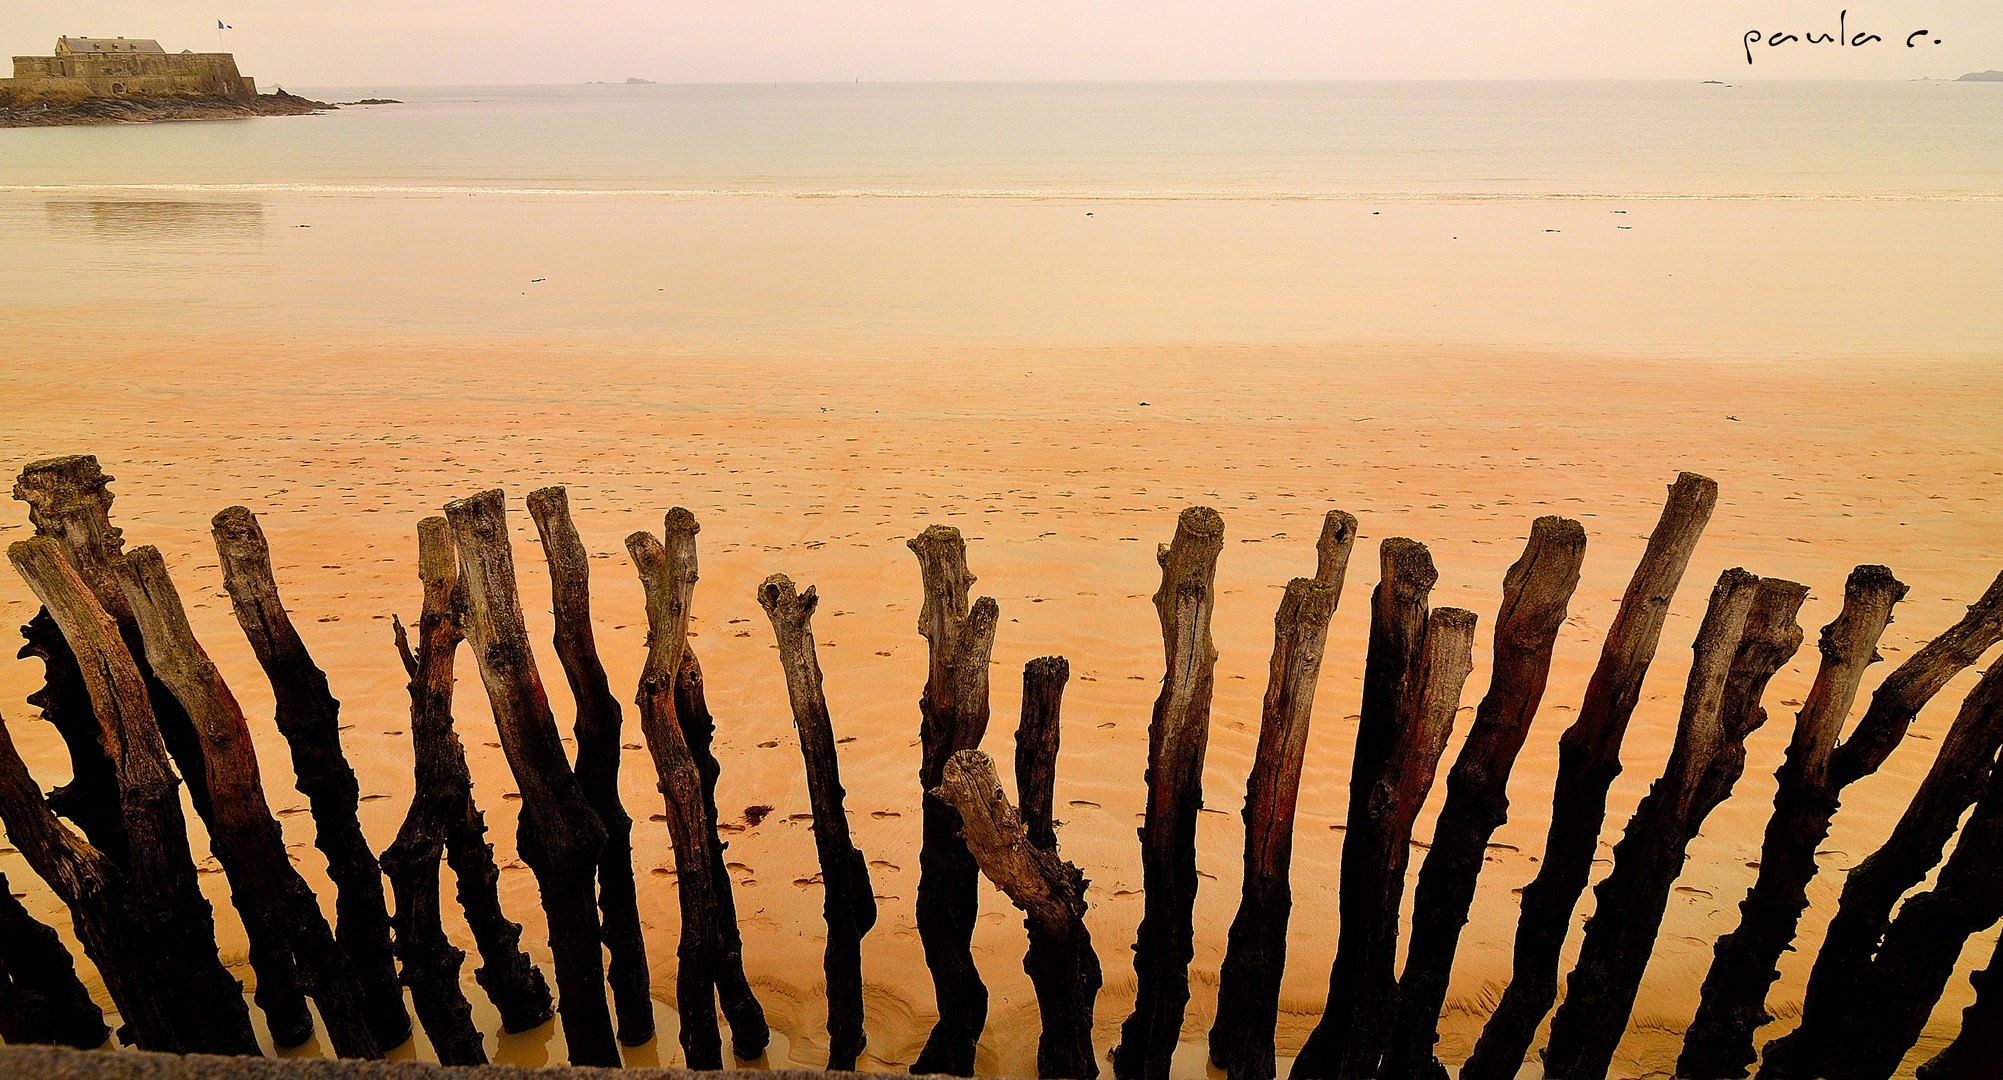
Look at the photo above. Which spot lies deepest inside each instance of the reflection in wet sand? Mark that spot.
(154, 219)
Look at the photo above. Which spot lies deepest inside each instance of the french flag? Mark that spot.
(221, 25)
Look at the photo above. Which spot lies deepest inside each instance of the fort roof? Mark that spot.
(107, 45)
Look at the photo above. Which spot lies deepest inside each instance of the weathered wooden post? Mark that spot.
(309, 717)
(1036, 741)
(1177, 737)
(90, 799)
(1747, 633)
(204, 1007)
(1051, 893)
(597, 731)
(1839, 984)
(668, 574)
(1248, 993)
(1974, 1053)
(1588, 762)
(749, 1034)
(243, 833)
(848, 902)
(954, 716)
(443, 805)
(41, 998)
(431, 963)
(1535, 595)
(559, 835)
(1388, 786)
(1719, 1042)
(1920, 949)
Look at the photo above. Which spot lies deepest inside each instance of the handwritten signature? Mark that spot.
(1842, 38)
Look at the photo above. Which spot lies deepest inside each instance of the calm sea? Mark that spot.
(1925, 140)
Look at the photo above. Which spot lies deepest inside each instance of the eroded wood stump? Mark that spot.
(41, 998)
(1248, 994)
(1051, 893)
(90, 799)
(848, 902)
(1177, 737)
(1588, 762)
(559, 835)
(1536, 593)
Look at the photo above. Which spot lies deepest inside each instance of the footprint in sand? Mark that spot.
(879, 864)
(1085, 803)
(881, 814)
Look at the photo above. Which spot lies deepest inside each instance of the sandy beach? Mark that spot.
(820, 379)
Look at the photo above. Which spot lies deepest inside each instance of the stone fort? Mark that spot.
(121, 67)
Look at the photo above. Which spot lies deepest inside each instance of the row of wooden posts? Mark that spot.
(134, 696)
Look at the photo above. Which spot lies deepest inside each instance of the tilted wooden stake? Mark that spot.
(1036, 741)
(848, 902)
(1975, 1052)
(203, 1007)
(1248, 993)
(1177, 737)
(1719, 1042)
(954, 716)
(1748, 632)
(244, 835)
(668, 574)
(1839, 985)
(1363, 988)
(309, 717)
(1051, 892)
(41, 998)
(431, 963)
(90, 799)
(1535, 595)
(1588, 762)
(597, 731)
(559, 835)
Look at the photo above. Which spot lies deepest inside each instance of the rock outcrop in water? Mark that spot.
(142, 110)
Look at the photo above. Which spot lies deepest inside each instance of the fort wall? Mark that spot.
(69, 76)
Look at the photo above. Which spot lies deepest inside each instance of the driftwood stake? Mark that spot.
(849, 903)
(204, 1005)
(430, 962)
(1839, 985)
(309, 717)
(1719, 1042)
(668, 574)
(90, 799)
(1036, 741)
(1747, 634)
(1535, 596)
(1363, 989)
(1248, 994)
(1051, 892)
(1588, 762)
(41, 998)
(1177, 738)
(954, 716)
(597, 731)
(244, 835)
(559, 835)
(1974, 1053)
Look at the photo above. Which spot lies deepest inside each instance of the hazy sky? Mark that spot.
(392, 42)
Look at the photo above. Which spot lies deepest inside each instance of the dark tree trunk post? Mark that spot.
(1913, 965)
(954, 717)
(204, 1003)
(90, 799)
(559, 835)
(309, 717)
(1177, 737)
(1588, 762)
(748, 1031)
(245, 836)
(597, 731)
(849, 903)
(1535, 596)
(1719, 1042)
(668, 574)
(431, 963)
(1974, 1053)
(1248, 993)
(1839, 985)
(41, 998)
(1036, 742)
(1363, 989)
(1747, 633)
(1051, 892)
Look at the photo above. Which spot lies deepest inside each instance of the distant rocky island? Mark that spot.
(1982, 76)
(628, 82)
(134, 80)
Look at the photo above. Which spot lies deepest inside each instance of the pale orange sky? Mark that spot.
(398, 42)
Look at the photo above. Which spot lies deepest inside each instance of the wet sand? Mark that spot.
(1058, 399)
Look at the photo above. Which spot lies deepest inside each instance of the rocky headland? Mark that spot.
(140, 109)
